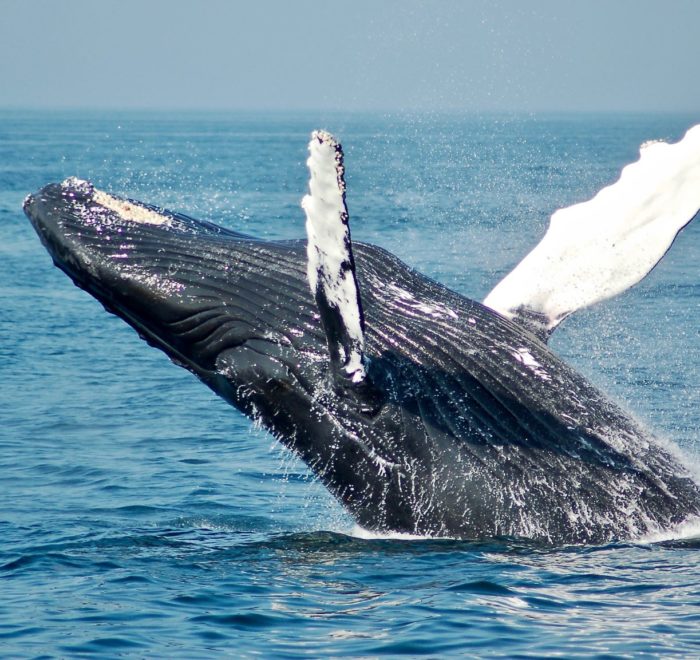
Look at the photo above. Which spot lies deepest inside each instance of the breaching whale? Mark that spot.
(422, 411)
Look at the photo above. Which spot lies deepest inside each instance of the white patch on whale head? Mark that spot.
(131, 211)
(128, 210)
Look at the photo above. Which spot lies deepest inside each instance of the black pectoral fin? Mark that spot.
(346, 351)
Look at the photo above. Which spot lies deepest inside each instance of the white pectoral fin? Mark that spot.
(597, 249)
(330, 265)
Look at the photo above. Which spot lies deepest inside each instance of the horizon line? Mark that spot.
(346, 111)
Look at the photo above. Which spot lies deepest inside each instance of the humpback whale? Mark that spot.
(422, 411)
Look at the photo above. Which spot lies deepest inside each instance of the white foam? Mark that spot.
(597, 249)
(435, 309)
(689, 529)
(367, 535)
(524, 356)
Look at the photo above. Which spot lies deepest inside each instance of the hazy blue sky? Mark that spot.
(355, 54)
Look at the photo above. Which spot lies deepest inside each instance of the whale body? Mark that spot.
(455, 421)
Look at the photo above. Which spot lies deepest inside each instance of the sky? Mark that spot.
(354, 55)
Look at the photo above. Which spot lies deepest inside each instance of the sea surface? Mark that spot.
(140, 516)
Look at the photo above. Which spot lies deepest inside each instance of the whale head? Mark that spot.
(203, 294)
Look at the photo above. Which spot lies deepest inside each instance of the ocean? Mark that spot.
(141, 516)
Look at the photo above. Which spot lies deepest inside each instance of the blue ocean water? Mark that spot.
(141, 516)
